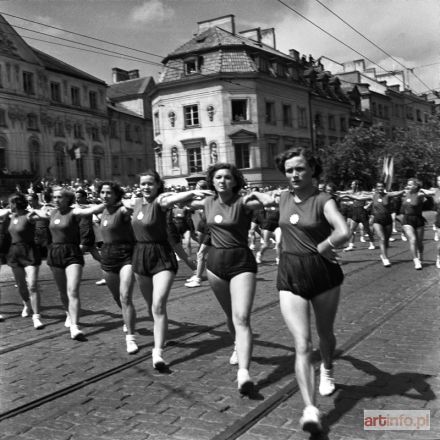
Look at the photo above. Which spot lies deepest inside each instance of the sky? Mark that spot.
(406, 31)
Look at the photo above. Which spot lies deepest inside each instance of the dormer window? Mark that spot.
(193, 65)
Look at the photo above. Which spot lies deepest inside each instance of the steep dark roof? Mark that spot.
(130, 87)
(215, 38)
(121, 109)
(56, 65)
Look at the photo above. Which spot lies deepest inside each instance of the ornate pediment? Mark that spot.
(243, 135)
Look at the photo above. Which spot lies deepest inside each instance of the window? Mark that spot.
(114, 129)
(34, 156)
(74, 94)
(2, 153)
(193, 65)
(94, 133)
(77, 131)
(60, 163)
(139, 165)
(419, 115)
(130, 166)
(374, 109)
(287, 115)
(194, 156)
(409, 113)
(270, 113)
(2, 118)
(343, 124)
(28, 83)
(59, 128)
(239, 108)
(191, 113)
(302, 117)
(242, 155)
(79, 165)
(385, 112)
(272, 151)
(331, 122)
(426, 118)
(32, 122)
(380, 110)
(127, 132)
(55, 91)
(318, 120)
(116, 169)
(156, 124)
(97, 166)
(93, 100)
(137, 134)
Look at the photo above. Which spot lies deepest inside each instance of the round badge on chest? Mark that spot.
(294, 219)
(379, 200)
(140, 216)
(15, 221)
(57, 221)
(218, 218)
(105, 223)
(408, 200)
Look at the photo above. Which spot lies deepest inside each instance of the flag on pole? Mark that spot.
(388, 171)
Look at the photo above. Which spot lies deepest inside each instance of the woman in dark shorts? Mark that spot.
(413, 222)
(269, 222)
(117, 253)
(24, 257)
(231, 265)
(308, 274)
(64, 256)
(154, 261)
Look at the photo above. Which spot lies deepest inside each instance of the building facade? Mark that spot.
(233, 97)
(53, 117)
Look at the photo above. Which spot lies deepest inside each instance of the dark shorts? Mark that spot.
(115, 256)
(307, 275)
(384, 220)
(23, 254)
(269, 225)
(63, 255)
(226, 263)
(359, 215)
(416, 221)
(346, 210)
(152, 258)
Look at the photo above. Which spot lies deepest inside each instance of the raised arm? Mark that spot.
(166, 200)
(256, 200)
(84, 212)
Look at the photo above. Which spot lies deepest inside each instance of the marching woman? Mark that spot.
(308, 274)
(231, 265)
(24, 257)
(154, 261)
(65, 257)
(269, 223)
(116, 255)
(413, 222)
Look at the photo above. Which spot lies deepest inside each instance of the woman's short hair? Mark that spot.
(157, 179)
(311, 160)
(236, 173)
(67, 193)
(19, 200)
(115, 187)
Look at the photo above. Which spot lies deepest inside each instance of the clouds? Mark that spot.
(151, 11)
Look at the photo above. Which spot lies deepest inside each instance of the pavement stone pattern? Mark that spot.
(388, 320)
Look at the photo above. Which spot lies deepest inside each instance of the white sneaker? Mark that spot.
(157, 359)
(417, 264)
(386, 262)
(371, 247)
(67, 322)
(233, 360)
(350, 247)
(195, 282)
(311, 420)
(362, 239)
(76, 333)
(124, 328)
(244, 381)
(391, 239)
(101, 282)
(2, 318)
(37, 321)
(437, 263)
(403, 237)
(436, 237)
(191, 278)
(277, 261)
(26, 312)
(258, 257)
(132, 347)
(326, 381)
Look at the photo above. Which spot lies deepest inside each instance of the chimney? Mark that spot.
(119, 75)
(226, 22)
(268, 37)
(294, 54)
(252, 34)
(133, 74)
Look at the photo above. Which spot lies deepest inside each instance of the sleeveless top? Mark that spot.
(412, 204)
(64, 228)
(381, 205)
(21, 229)
(116, 227)
(228, 223)
(149, 222)
(303, 225)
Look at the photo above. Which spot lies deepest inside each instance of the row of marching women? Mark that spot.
(137, 248)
